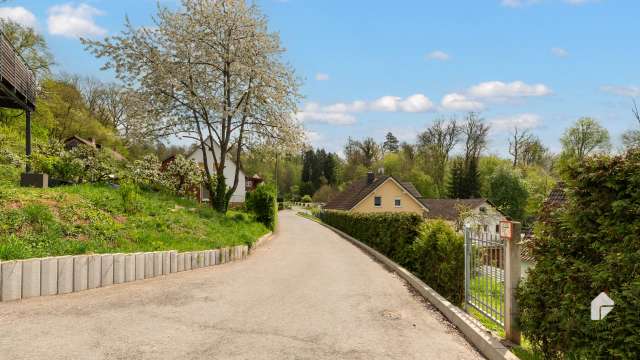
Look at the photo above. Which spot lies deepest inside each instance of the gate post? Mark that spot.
(511, 280)
(467, 266)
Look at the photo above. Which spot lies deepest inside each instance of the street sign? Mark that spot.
(506, 228)
(601, 305)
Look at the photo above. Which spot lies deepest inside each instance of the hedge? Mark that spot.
(262, 202)
(390, 233)
(590, 245)
(432, 250)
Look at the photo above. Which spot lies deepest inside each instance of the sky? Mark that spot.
(370, 67)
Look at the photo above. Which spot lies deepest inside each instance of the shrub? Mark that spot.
(262, 202)
(146, 173)
(589, 246)
(390, 233)
(438, 259)
(130, 196)
(306, 199)
(98, 165)
(183, 175)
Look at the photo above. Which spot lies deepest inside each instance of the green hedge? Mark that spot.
(591, 245)
(390, 233)
(432, 250)
(262, 202)
(438, 259)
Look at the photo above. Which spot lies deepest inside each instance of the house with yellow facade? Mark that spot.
(383, 193)
(380, 193)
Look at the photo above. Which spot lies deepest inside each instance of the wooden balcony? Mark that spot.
(17, 81)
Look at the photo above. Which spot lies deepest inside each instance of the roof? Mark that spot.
(557, 196)
(526, 247)
(359, 189)
(115, 154)
(447, 209)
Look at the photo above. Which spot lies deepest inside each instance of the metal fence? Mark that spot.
(484, 260)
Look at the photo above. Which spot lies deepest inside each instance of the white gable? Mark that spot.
(229, 171)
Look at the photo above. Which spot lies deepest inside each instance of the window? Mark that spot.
(484, 228)
(498, 229)
(398, 202)
(377, 201)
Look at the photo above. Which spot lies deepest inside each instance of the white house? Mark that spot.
(480, 215)
(229, 174)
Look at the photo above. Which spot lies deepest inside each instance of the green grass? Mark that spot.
(478, 286)
(99, 219)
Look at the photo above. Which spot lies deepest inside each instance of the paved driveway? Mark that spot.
(306, 294)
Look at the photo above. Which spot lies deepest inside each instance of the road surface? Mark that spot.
(306, 294)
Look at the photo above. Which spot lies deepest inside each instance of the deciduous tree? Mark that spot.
(213, 71)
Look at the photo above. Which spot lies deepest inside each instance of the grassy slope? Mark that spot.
(91, 219)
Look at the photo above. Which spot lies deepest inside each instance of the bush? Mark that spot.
(390, 233)
(262, 202)
(589, 246)
(438, 259)
(130, 196)
(183, 175)
(306, 199)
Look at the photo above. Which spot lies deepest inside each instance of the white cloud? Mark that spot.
(438, 55)
(501, 90)
(313, 137)
(413, 104)
(518, 3)
(630, 90)
(19, 15)
(322, 77)
(521, 121)
(460, 102)
(74, 21)
(327, 118)
(559, 52)
(342, 113)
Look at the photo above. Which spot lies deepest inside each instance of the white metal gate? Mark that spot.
(484, 281)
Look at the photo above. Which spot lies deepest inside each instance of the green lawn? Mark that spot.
(479, 285)
(92, 219)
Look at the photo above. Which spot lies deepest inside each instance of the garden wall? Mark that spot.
(23, 279)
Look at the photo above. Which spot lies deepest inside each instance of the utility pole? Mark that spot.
(277, 190)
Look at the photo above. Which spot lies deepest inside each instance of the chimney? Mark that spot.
(370, 177)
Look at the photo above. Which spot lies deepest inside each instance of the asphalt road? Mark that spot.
(306, 294)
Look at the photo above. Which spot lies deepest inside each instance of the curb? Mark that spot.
(22, 279)
(473, 331)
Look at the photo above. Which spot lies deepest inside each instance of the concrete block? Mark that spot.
(148, 265)
(157, 263)
(180, 262)
(200, 258)
(140, 262)
(213, 260)
(166, 263)
(130, 267)
(65, 274)
(194, 260)
(11, 280)
(207, 258)
(119, 271)
(107, 270)
(187, 261)
(80, 273)
(94, 273)
(174, 261)
(31, 278)
(49, 276)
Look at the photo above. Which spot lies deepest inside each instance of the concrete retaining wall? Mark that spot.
(22, 279)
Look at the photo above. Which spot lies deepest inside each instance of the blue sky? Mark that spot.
(375, 66)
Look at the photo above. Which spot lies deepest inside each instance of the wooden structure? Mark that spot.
(17, 86)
